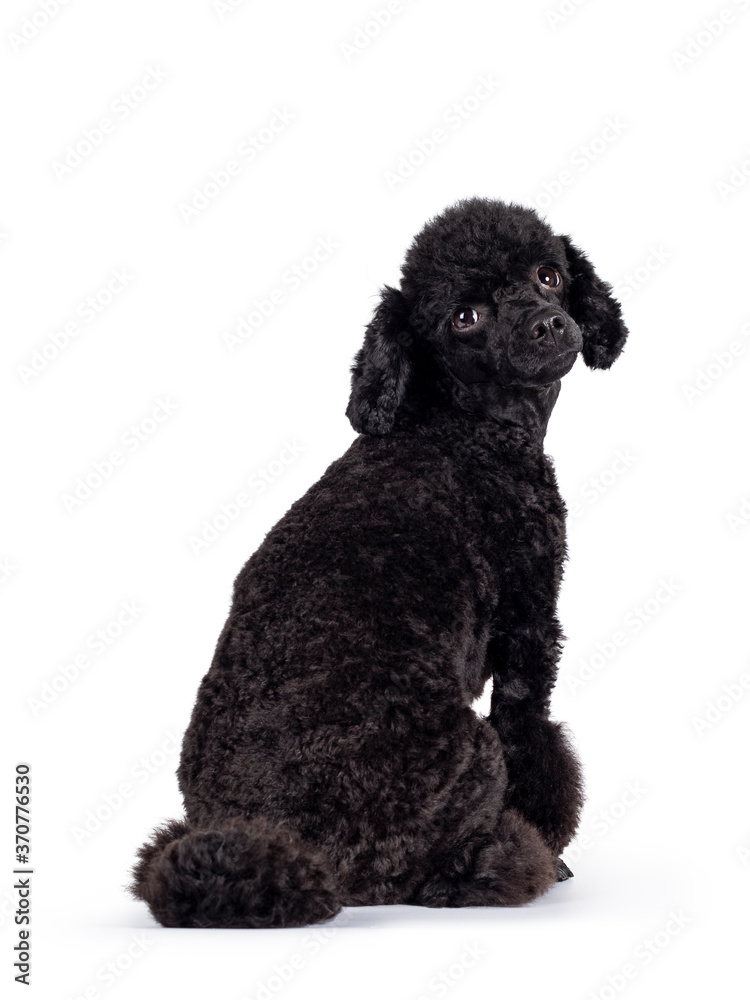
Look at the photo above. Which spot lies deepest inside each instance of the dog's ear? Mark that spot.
(381, 368)
(595, 310)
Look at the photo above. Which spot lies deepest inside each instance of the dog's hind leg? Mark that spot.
(508, 866)
(238, 873)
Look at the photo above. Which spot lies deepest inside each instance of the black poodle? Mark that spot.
(333, 757)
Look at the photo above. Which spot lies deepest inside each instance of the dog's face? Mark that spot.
(491, 296)
(489, 288)
(521, 336)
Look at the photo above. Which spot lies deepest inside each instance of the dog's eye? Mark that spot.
(548, 277)
(463, 319)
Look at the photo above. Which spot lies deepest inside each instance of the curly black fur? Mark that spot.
(333, 757)
(240, 873)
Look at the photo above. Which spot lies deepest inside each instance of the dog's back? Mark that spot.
(333, 744)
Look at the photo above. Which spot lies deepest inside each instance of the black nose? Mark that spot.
(546, 327)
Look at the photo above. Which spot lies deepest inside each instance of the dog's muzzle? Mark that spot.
(550, 327)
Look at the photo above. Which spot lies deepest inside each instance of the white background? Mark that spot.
(645, 200)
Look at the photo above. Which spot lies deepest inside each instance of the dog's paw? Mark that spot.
(562, 871)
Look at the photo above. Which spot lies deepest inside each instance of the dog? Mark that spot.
(333, 757)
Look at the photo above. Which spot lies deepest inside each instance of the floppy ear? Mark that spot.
(381, 368)
(596, 312)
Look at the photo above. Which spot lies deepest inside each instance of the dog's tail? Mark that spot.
(238, 873)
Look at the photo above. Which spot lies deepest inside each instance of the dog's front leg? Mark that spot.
(544, 775)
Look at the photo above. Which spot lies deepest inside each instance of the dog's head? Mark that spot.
(489, 297)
